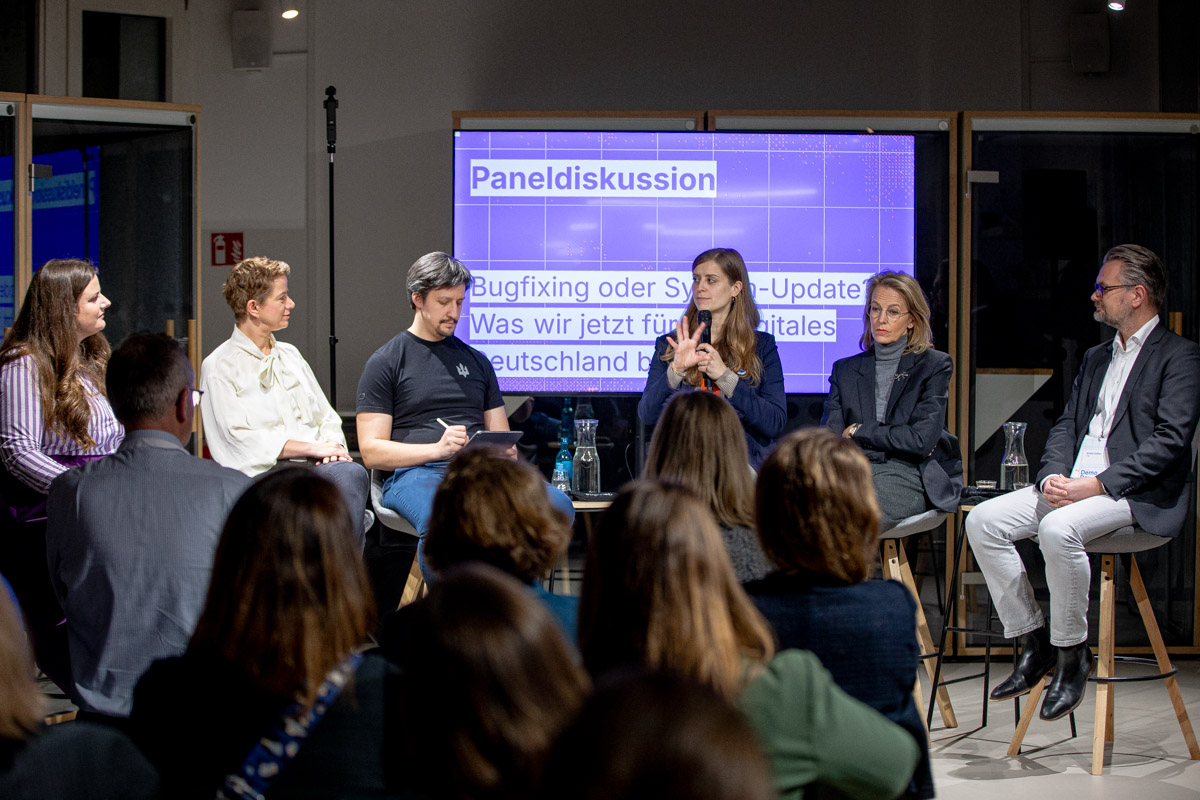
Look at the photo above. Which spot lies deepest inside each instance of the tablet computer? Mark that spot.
(501, 439)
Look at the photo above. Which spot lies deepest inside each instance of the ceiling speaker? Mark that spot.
(250, 37)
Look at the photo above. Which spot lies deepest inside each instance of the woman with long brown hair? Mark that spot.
(486, 683)
(658, 592)
(289, 607)
(890, 400)
(54, 415)
(738, 362)
(698, 444)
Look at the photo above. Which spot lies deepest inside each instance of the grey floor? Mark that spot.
(1147, 761)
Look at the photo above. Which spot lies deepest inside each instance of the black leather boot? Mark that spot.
(1036, 660)
(1065, 691)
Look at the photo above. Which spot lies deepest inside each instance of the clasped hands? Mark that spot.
(328, 452)
(689, 352)
(1059, 490)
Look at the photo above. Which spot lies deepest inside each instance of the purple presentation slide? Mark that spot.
(580, 244)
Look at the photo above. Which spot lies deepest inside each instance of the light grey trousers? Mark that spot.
(996, 524)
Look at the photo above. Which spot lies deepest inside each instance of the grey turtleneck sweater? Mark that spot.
(887, 359)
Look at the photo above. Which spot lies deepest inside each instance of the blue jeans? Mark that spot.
(410, 490)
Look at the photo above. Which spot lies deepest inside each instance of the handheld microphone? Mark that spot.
(704, 318)
(331, 105)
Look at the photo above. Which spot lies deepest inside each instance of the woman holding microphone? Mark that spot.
(717, 347)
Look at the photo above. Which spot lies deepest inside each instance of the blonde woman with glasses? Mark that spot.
(891, 400)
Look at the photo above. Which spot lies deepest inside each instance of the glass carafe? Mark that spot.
(585, 470)
(1014, 468)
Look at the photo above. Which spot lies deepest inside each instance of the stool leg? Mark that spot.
(895, 566)
(919, 699)
(1104, 664)
(1164, 661)
(414, 587)
(1030, 708)
(564, 566)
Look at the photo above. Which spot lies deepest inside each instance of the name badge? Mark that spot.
(1092, 458)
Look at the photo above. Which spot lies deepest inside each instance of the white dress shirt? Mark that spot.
(253, 404)
(1114, 379)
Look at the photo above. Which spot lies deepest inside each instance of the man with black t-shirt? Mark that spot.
(425, 393)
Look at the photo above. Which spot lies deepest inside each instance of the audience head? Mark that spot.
(150, 384)
(492, 509)
(252, 279)
(289, 596)
(435, 271)
(60, 326)
(657, 736)
(699, 443)
(659, 592)
(816, 506)
(1140, 266)
(911, 302)
(20, 702)
(491, 680)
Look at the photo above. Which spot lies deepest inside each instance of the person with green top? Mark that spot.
(678, 608)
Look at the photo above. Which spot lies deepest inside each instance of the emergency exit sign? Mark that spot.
(227, 249)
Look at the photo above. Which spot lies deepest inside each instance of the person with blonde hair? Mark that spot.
(659, 592)
(261, 404)
(740, 362)
(54, 415)
(891, 401)
(819, 523)
(75, 759)
(698, 443)
(491, 509)
(278, 649)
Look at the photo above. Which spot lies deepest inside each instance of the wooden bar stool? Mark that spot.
(896, 567)
(1129, 541)
(414, 586)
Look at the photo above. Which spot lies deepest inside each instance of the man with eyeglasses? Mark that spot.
(130, 538)
(1119, 455)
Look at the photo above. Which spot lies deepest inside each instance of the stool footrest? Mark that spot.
(1150, 662)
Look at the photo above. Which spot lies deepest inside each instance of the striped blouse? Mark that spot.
(32, 453)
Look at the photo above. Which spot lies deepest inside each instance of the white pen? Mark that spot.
(444, 423)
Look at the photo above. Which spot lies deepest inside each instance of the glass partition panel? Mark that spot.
(122, 196)
(8, 135)
(1037, 236)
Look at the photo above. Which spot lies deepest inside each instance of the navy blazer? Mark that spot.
(762, 408)
(914, 424)
(1150, 443)
(865, 635)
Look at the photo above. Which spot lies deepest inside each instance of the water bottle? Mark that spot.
(563, 468)
(1014, 468)
(585, 472)
(566, 427)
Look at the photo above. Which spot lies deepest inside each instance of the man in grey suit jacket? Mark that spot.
(1120, 454)
(131, 537)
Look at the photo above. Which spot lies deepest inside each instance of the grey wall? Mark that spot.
(402, 68)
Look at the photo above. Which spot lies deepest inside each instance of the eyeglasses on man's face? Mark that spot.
(1101, 288)
(889, 314)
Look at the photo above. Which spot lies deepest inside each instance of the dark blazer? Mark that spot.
(762, 409)
(864, 634)
(1150, 444)
(914, 425)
